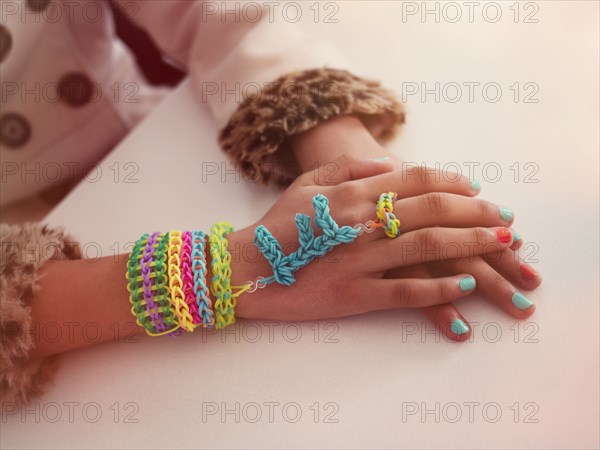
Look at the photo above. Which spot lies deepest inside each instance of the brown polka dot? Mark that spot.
(76, 89)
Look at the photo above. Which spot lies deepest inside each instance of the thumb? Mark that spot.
(347, 168)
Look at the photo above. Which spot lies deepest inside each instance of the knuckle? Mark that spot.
(343, 161)
(429, 239)
(350, 191)
(404, 293)
(495, 282)
(485, 209)
(437, 203)
(426, 176)
(444, 292)
(306, 179)
(352, 216)
(479, 236)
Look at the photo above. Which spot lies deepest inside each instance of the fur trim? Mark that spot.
(297, 102)
(25, 248)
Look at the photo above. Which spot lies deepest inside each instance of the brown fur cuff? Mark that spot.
(25, 248)
(299, 101)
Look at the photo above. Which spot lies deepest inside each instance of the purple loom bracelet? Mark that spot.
(151, 306)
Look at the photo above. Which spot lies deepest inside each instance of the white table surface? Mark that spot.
(362, 373)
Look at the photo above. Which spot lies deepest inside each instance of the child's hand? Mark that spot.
(350, 280)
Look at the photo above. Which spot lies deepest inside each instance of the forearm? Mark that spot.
(81, 302)
(85, 301)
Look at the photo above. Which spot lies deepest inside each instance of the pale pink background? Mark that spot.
(374, 367)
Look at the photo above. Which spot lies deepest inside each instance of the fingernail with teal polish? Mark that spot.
(475, 185)
(458, 327)
(467, 283)
(520, 301)
(516, 236)
(381, 159)
(506, 214)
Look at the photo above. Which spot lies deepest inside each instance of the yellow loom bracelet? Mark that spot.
(177, 297)
(220, 285)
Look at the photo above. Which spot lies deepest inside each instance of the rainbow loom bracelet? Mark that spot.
(221, 269)
(161, 282)
(187, 277)
(177, 296)
(143, 308)
(149, 293)
(200, 271)
(132, 282)
(221, 281)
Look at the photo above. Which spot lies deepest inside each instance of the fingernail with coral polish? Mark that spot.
(381, 159)
(467, 283)
(520, 301)
(504, 235)
(475, 186)
(527, 272)
(458, 327)
(506, 214)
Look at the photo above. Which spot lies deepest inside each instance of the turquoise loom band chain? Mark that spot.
(200, 270)
(311, 247)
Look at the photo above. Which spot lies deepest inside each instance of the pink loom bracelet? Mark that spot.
(187, 276)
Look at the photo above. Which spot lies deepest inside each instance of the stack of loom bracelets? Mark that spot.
(176, 278)
(162, 272)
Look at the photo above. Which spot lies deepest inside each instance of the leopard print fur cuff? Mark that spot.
(296, 102)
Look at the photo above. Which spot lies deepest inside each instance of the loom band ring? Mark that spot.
(385, 216)
(392, 229)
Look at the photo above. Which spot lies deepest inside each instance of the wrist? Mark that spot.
(332, 138)
(247, 264)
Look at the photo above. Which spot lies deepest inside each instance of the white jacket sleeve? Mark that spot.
(263, 78)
